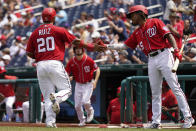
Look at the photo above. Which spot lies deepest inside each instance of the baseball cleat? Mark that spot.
(55, 104)
(82, 123)
(154, 126)
(51, 125)
(90, 116)
(188, 122)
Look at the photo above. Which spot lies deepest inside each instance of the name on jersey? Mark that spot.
(44, 31)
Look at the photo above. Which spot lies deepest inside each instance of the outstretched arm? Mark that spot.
(89, 46)
(117, 46)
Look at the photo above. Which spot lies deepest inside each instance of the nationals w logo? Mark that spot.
(152, 31)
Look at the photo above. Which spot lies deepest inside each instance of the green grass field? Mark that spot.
(82, 129)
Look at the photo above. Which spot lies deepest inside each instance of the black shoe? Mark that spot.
(154, 126)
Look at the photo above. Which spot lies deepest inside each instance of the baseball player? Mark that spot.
(7, 91)
(154, 38)
(47, 46)
(25, 109)
(82, 67)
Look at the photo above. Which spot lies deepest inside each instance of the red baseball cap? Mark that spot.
(113, 10)
(19, 38)
(3, 37)
(2, 69)
(118, 90)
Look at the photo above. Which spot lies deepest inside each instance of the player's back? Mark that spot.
(48, 42)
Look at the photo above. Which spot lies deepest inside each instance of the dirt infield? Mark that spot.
(169, 125)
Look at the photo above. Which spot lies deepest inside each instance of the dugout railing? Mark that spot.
(140, 83)
(34, 96)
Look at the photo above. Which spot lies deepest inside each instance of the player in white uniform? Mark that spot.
(152, 36)
(82, 67)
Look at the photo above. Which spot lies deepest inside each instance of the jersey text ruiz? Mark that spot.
(44, 31)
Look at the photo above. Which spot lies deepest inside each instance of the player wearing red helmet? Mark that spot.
(155, 39)
(83, 67)
(47, 46)
(48, 15)
(7, 94)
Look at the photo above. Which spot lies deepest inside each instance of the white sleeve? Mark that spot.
(117, 46)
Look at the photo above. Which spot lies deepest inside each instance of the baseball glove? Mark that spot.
(2, 97)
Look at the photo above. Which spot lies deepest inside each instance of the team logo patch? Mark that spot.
(152, 31)
(165, 28)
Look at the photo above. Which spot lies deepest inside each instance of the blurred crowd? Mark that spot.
(87, 28)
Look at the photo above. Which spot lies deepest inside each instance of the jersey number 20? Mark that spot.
(46, 44)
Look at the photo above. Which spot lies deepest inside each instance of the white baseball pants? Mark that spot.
(83, 93)
(9, 102)
(158, 67)
(52, 75)
(25, 110)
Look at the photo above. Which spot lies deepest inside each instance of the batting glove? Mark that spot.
(177, 54)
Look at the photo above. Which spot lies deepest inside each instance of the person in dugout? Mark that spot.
(113, 110)
(7, 94)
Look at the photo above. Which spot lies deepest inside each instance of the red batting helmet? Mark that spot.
(138, 8)
(48, 14)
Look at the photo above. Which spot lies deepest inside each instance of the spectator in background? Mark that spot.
(6, 59)
(27, 5)
(83, 17)
(135, 55)
(123, 57)
(92, 21)
(83, 33)
(179, 19)
(170, 8)
(140, 57)
(189, 57)
(193, 35)
(176, 29)
(122, 14)
(29, 19)
(187, 30)
(18, 47)
(117, 26)
(61, 16)
(12, 16)
(52, 3)
(70, 55)
(3, 42)
(8, 91)
(91, 30)
(8, 31)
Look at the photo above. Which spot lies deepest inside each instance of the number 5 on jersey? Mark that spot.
(46, 44)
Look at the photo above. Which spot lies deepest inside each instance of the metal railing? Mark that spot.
(141, 96)
(34, 97)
